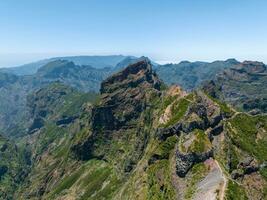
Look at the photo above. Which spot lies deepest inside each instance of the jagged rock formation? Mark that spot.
(205, 129)
(124, 99)
(201, 115)
(184, 162)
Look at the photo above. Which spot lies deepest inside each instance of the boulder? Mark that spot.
(184, 162)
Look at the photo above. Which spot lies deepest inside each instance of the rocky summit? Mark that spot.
(121, 112)
(141, 139)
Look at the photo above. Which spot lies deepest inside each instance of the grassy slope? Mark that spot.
(249, 134)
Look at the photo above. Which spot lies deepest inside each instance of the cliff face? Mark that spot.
(121, 114)
(124, 96)
(135, 75)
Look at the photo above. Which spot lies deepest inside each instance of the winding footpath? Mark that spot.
(222, 193)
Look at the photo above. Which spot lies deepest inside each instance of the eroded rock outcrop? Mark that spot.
(193, 148)
(201, 121)
(184, 162)
(121, 112)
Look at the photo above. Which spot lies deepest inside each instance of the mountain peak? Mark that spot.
(184, 62)
(55, 66)
(232, 61)
(139, 73)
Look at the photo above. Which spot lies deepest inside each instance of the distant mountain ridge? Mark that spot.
(243, 86)
(14, 89)
(94, 61)
(190, 75)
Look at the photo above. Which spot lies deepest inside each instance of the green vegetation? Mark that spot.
(166, 147)
(59, 100)
(234, 157)
(159, 181)
(100, 184)
(247, 133)
(178, 110)
(154, 99)
(199, 142)
(263, 172)
(50, 134)
(191, 96)
(235, 191)
(73, 103)
(94, 180)
(13, 161)
(68, 181)
(159, 173)
(167, 101)
(163, 87)
(197, 173)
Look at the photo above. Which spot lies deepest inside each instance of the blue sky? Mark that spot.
(165, 30)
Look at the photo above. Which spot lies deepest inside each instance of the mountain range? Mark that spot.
(94, 61)
(126, 130)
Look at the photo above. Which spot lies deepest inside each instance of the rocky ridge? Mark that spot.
(241, 86)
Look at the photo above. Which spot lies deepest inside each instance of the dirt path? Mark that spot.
(213, 186)
(222, 193)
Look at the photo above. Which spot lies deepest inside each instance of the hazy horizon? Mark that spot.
(28, 59)
(169, 32)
